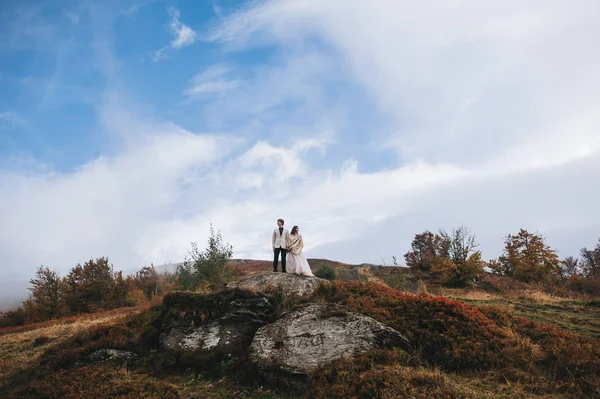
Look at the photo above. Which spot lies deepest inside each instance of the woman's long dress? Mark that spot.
(296, 261)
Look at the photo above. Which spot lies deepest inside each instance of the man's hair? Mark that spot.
(281, 220)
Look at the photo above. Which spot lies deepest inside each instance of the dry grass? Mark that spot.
(18, 347)
(480, 295)
(367, 275)
(474, 295)
(539, 296)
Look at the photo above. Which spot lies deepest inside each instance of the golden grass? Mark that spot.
(479, 295)
(474, 295)
(17, 348)
(539, 296)
(366, 274)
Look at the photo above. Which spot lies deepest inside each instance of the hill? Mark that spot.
(485, 342)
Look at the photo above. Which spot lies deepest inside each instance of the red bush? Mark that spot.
(448, 333)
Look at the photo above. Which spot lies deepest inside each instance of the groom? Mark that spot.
(279, 240)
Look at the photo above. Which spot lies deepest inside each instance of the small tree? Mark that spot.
(590, 262)
(90, 286)
(569, 267)
(460, 263)
(327, 272)
(207, 266)
(47, 294)
(527, 258)
(426, 249)
(146, 279)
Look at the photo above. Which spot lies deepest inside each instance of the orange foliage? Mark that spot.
(448, 333)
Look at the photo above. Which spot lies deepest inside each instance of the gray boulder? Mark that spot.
(309, 337)
(292, 286)
(227, 334)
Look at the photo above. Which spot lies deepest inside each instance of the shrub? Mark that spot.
(15, 317)
(581, 284)
(448, 333)
(327, 272)
(209, 265)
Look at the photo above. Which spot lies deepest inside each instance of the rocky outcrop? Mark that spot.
(291, 286)
(311, 336)
(226, 334)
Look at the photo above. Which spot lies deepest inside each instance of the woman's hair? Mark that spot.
(294, 230)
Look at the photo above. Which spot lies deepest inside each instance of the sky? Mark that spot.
(128, 127)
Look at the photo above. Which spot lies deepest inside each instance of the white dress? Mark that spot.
(296, 261)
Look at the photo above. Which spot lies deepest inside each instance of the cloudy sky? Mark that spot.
(127, 127)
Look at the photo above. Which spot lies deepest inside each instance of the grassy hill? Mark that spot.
(495, 340)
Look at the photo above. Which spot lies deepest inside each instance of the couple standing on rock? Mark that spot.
(284, 242)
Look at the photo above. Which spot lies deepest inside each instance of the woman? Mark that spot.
(296, 261)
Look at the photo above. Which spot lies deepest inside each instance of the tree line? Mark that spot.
(453, 259)
(87, 288)
(96, 286)
(450, 258)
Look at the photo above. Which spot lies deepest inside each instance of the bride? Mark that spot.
(296, 261)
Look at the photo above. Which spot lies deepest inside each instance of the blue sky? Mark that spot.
(126, 127)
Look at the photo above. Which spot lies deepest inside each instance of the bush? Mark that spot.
(327, 272)
(581, 284)
(15, 317)
(448, 333)
(207, 266)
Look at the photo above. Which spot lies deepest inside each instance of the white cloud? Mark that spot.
(492, 109)
(184, 35)
(513, 63)
(210, 82)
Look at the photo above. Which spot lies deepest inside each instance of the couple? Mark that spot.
(284, 242)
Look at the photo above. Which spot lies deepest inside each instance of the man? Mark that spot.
(279, 241)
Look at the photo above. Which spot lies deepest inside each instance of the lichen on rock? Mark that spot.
(311, 336)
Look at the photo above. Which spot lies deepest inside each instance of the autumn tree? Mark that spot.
(120, 294)
(47, 294)
(426, 249)
(460, 263)
(89, 286)
(208, 266)
(570, 267)
(528, 258)
(146, 279)
(590, 261)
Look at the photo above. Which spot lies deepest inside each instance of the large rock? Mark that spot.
(227, 334)
(292, 286)
(309, 337)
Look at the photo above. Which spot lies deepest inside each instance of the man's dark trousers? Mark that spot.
(276, 258)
